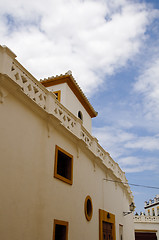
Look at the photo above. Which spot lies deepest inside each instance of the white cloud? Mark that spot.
(136, 164)
(141, 168)
(128, 161)
(91, 38)
(118, 140)
(147, 84)
(122, 146)
(144, 143)
(113, 140)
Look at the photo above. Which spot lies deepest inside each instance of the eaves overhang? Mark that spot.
(68, 78)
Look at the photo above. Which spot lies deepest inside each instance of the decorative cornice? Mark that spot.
(146, 219)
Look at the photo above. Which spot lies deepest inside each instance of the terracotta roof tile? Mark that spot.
(69, 79)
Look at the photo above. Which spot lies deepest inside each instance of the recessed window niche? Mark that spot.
(60, 230)
(63, 167)
(80, 115)
(58, 95)
(88, 208)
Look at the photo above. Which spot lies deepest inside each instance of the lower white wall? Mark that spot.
(144, 224)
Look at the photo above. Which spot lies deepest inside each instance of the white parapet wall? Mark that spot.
(152, 207)
(46, 100)
(147, 224)
(34, 125)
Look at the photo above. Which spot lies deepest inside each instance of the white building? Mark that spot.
(152, 207)
(56, 181)
(147, 226)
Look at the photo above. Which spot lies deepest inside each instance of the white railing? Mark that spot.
(67, 119)
(28, 84)
(86, 137)
(152, 201)
(40, 95)
(149, 219)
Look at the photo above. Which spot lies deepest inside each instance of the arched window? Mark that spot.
(80, 115)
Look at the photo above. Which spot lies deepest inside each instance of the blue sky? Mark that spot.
(112, 49)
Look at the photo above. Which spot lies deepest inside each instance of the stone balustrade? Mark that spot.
(10, 67)
(152, 201)
(148, 219)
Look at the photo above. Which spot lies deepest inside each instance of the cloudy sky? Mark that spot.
(111, 47)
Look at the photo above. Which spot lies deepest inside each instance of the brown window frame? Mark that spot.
(106, 217)
(58, 176)
(58, 95)
(88, 212)
(62, 223)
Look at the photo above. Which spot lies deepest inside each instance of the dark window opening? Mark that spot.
(80, 115)
(58, 95)
(64, 165)
(60, 232)
(88, 208)
(145, 236)
(63, 168)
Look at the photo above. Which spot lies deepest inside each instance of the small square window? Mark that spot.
(60, 230)
(63, 168)
(58, 95)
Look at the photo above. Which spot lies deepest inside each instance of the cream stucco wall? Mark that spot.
(70, 101)
(31, 198)
(147, 224)
(32, 122)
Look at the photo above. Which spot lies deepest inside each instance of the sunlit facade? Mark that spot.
(56, 181)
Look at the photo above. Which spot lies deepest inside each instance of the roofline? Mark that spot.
(68, 78)
(99, 157)
(152, 205)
